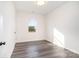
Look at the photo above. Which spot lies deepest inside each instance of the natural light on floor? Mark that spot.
(58, 38)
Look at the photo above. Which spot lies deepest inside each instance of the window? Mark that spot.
(32, 25)
(31, 29)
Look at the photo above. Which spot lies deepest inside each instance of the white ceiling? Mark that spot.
(31, 6)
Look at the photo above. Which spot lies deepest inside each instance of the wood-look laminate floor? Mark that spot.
(41, 49)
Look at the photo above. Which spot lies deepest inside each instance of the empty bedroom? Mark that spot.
(39, 29)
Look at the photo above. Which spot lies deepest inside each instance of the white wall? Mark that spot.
(8, 14)
(23, 19)
(66, 20)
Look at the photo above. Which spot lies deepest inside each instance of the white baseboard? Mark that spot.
(72, 50)
(29, 40)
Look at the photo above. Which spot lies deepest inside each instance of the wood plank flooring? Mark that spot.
(41, 49)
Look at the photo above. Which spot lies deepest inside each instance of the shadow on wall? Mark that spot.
(58, 38)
